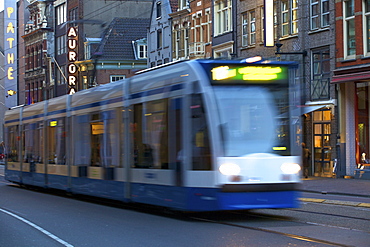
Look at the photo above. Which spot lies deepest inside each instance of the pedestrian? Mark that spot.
(306, 156)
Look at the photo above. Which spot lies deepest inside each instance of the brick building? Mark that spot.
(352, 78)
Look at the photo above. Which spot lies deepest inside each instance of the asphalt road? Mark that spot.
(35, 218)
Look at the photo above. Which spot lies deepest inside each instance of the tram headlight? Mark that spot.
(229, 169)
(290, 168)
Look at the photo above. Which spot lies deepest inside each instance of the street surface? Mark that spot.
(38, 218)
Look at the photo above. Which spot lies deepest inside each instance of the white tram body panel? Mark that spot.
(180, 136)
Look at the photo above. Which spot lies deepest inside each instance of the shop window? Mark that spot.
(363, 122)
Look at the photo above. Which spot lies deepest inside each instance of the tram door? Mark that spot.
(175, 140)
(322, 149)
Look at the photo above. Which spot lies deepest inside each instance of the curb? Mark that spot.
(335, 193)
(336, 202)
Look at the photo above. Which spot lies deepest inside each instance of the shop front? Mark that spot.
(363, 129)
(354, 110)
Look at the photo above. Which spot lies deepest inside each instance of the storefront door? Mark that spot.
(323, 167)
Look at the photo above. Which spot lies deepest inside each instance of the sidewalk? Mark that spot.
(336, 186)
(353, 187)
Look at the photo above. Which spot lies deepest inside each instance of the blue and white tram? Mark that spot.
(198, 135)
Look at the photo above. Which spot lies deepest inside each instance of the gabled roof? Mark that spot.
(117, 38)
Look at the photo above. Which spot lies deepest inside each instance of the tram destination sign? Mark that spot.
(250, 74)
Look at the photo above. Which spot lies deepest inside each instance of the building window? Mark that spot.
(320, 74)
(183, 4)
(284, 17)
(176, 36)
(245, 30)
(325, 14)
(180, 40)
(142, 51)
(252, 27)
(159, 39)
(159, 10)
(73, 14)
(289, 17)
(197, 44)
(319, 14)
(249, 28)
(366, 20)
(349, 29)
(294, 16)
(186, 39)
(61, 45)
(41, 56)
(61, 14)
(60, 75)
(223, 16)
(207, 25)
(114, 78)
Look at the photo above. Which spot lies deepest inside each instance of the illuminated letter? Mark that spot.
(72, 43)
(10, 28)
(72, 32)
(72, 80)
(72, 68)
(10, 58)
(10, 40)
(10, 11)
(10, 73)
(72, 56)
(72, 91)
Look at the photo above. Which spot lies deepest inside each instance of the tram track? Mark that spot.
(328, 214)
(293, 236)
(247, 220)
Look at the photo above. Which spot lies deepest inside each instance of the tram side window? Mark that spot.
(201, 152)
(109, 141)
(150, 129)
(82, 135)
(56, 142)
(12, 143)
(32, 144)
(97, 141)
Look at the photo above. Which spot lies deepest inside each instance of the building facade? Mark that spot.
(303, 32)
(37, 36)
(160, 27)
(352, 78)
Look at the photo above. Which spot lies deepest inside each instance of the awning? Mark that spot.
(311, 108)
(351, 77)
(305, 109)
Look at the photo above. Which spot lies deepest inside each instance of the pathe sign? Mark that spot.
(10, 52)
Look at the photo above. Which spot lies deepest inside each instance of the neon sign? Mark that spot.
(248, 74)
(10, 41)
(72, 58)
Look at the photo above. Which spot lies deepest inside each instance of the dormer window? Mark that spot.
(91, 44)
(140, 47)
(142, 51)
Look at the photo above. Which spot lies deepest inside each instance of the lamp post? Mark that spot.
(303, 54)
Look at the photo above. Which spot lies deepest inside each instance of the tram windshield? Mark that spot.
(249, 122)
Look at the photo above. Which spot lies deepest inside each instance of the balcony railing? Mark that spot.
(197, 49)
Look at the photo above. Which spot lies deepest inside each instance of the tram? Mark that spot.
(198, 135)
